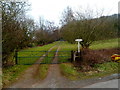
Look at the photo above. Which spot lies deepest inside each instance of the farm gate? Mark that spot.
(42, 57)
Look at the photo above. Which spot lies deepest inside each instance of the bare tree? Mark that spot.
(67, 16)
(14, 27)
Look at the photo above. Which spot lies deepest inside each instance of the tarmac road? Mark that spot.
(107, 84)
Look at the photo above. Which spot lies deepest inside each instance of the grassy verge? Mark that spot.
(11, 74)
(99, 70)
(68, 70)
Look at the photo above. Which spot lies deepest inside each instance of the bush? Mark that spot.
(31, 45)
(91, 57)
(10, 60)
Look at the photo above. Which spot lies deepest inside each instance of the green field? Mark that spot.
(29, 56)
(65, 51)
(104, 44)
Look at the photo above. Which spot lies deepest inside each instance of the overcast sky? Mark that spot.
(52, 9)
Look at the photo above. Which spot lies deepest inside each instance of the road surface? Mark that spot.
(106, 84)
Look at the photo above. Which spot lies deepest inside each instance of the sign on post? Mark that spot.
(78, 40)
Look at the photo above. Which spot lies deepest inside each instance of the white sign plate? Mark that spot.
(78, 40)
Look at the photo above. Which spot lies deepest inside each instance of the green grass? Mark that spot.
(67, 46)
(64, 56)
(10, 74)
(29, 56)
(107, 67)
(65, 51)
(72, 73)
(69, 71)
(104, 69)
(104, 44)
(43, 71)
(50, 55)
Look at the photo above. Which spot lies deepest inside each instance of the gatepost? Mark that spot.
(77, 54)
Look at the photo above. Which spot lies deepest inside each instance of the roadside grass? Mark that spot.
(11, 74)
(104, 69)
(101, 70)
(68, 70)
(107, 66)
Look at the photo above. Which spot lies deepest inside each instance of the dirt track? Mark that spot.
(28, 78)
(54, 78)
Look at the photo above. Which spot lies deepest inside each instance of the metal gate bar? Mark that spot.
(29, 57)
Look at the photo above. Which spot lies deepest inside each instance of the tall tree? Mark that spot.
(14, 28)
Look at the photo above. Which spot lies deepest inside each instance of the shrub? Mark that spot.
(91, 57)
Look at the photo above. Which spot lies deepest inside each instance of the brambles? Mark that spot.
(92, 57)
